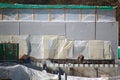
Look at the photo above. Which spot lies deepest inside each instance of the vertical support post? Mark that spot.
(32, 14)
(118, 69)
(0, 14)
(80, 15)
(49, 15)
(65, 20)
(64, 14)
(115, 14)
(17, 16)
(97, 15)
(59, 76)
(65, 76)
(19, 28)
(96, 69)
(95, 21)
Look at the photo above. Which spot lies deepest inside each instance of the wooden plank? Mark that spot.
(64, 14)
(80, 15)
(17, 14)
(95, 22)
(0, 14)
(97, 15)
(32, 14)
(49, 19)
(115, 14)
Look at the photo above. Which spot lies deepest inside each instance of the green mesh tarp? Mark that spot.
(119, 52)
(9, 51)
(4, 5)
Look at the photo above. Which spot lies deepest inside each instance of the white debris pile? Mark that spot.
(20, 72)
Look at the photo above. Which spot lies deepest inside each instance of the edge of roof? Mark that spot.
(29, 6)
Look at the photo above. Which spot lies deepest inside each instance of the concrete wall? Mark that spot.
(72, 30)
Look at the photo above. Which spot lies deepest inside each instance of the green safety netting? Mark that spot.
(5, 5)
